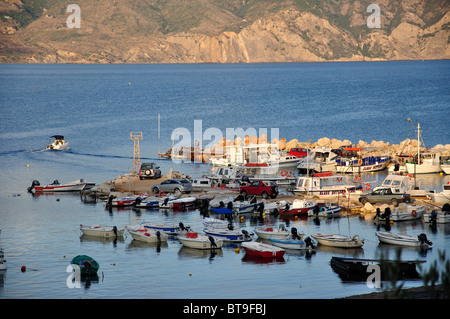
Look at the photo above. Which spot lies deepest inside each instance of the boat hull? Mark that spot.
(401, 240)
(441, 218)
(101, 231)
(61, 188)
(147, 235)
(262, 250)
(289, 243)
(201, 242)
(338, 241)
(229, 235)
(266, 232)
(412, 168)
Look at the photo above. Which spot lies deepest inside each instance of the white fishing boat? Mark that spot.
(403, 240)
(407, 212)
(281, 162)
(442, 197)
(427, 162)
(194, 240)
(340, 241)
(325, 210)
(102, 231)
(3, 264)
(320, 159)
(264, 232)
(216, 222)
(437, 216)
(153, 201)
(230, 234)
(243, 205)
(58, 143)
(326, 187)
(291, 243)
(56, 186)
(274, 207)
(140, 233)
(167, 228)
(179, 203)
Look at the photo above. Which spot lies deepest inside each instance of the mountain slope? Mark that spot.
(226, 31)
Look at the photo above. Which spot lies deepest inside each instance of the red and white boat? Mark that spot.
(178, 203)
(298, 207)
(56, 186)
(257, 249)
(122, 201)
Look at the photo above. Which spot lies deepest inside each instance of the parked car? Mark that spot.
(384, 195)
(173, 186)
(259, 188)
(149, 170)
(298, 152)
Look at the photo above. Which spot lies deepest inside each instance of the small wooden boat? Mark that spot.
(140, 233)
(264, 232)
(194, 240)
(437, 216)
(169, 229)
(403, 240)
(102, 231)
(299, 207)
(357, 269)
(326, 210)
(407, 212)
(56, 186)
(341, 241)
(262, 250)
(179, 203)
(230, 234)
(291, 243)
(88, 265)
(153, 201)
(121, 201)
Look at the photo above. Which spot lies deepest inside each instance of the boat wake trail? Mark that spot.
(108, 155)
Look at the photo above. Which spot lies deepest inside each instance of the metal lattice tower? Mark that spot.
(136, 137)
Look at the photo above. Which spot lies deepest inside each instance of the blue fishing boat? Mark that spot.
(169, 229)
(294, 243)
(230, 234)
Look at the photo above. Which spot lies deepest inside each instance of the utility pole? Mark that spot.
(136, 137)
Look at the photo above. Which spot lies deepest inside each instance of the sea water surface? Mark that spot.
(97, 106)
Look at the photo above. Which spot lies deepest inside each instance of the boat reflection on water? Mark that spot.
(258, 260)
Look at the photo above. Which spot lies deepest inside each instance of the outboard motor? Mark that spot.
(33, 184)
(309, 243)
(138, 201)
(386, 214)
(316, 210)
(294, 233)
(287, 207)
(230, 226)
(166, 200)
(158, 235)
(110, 199)
(115, 230)
(221, 204)
(246, 234)
(433, 216)
(446, 208)
(424, 240)
(213, 242)
(181, 225)
(230, 205)
(378, 214)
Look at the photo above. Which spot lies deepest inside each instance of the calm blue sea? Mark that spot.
(97, 106)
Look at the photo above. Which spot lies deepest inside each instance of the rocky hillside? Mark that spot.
(225, 31)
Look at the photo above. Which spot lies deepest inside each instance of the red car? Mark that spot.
(259, 188)
(298, 152)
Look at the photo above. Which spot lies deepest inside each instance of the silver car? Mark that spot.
(173, 186)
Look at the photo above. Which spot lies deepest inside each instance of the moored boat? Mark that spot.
(121, 201)
(264, 232)
(56, 186)
(294, 243)
(325, 210)
(3, 265)
(179, 203)
(230, 234)
(262, 250)
(340, 241)
(102, 231)
(407, 212)
(442, 197)
(88, 265)
(148, 235)
(438, 216)
(153, 201)
(298, 207)
(403, 240)
(194, 240)
(167, 228)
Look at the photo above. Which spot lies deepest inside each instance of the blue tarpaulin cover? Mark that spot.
(222, 211)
